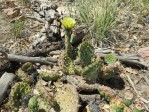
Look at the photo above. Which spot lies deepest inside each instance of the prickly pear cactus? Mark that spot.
(48, 75)
(33, 104)
(68, 65)
(116, 105)
(91, 72)
(44, 106)
(23, 76)
(45, 92)
(85, 53)
(67, 98)
(27, 67)
(138, 107)
(128, 98)
(110, 58)
(106, 92)
(111, 70)
(18, 92)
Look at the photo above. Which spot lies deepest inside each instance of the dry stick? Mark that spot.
(36, 18)
(20, 58)
(146, 79)
(138, 95)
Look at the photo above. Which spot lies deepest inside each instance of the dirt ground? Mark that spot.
(5, 30)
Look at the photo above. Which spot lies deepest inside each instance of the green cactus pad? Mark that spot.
(68, 65)
(23, 76)
(27, 67)
(116, 105)
(33, 104)
(110, 58)
(48, 75)
(18, 92)
(45, 93)
(128, 98)
(85, 53)
(44, 106)
(91, 72)
(127, 102)
(67, 98)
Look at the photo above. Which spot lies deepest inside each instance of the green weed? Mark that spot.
(24, 2)
(17, 28)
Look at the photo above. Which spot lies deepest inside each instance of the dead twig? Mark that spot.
(20, 58)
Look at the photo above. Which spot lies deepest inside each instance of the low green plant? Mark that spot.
(24, 2)
(17, 28)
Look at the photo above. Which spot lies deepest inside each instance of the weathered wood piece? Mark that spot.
(5, 81)
(20, 58)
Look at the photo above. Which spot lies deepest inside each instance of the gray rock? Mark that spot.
(5, 81)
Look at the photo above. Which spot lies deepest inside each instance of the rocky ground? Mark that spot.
(39, 75)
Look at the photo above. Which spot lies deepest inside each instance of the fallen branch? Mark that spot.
(20, 58)
(36, 18)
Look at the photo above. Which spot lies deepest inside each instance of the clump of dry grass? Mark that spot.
(99, 15)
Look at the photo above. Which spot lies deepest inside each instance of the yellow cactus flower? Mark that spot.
(68, 22)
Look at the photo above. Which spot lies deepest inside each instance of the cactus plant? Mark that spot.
(68, 65)
(91, 72)
(45, 93)
(106, 93)
(128, 98)
(27, 67)
(33, 104)
(116, 105)
(68, 23)
(138, 107)
(18, 92)
(109, 71)
(85, 53)
(48, 75)
(110, 58)
(43, 105)
(23, 76)
(67, 98)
